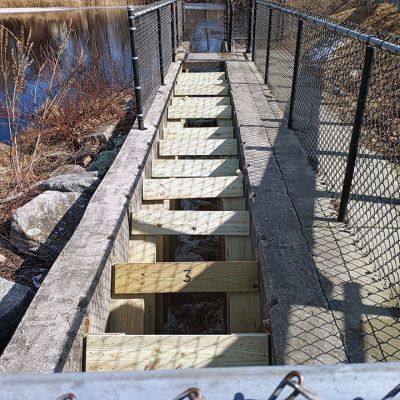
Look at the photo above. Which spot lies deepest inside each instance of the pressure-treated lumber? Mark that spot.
(193, 188)
(214, 74)
(244, 313)
(198, 133)
(200, 111)
(201, 77)
(198, 89)
(200, 101)
(212, 147)
(150, 352)
(190, 223)
(135, 314)
(127, 315)
(174, 277)
(193, 168)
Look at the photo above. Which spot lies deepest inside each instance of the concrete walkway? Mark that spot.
(326, 302)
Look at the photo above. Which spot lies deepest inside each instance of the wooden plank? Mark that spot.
(150, 352)
(198, 133)
(200, 101)
(243, 309)
(214, 75)
(174, 277)
(193, 168)
(193, 188)
(136, 314)
(201, 90)
(190, 223)
(127, 315)
(199, 112)
(201, 78)
(212, 147)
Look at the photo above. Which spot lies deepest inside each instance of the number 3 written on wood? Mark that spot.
(187, 275)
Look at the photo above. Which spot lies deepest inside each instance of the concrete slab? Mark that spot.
(325, 303)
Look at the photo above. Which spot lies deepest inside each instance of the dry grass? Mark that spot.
(76, 103)
(68, 3)
(380, 17)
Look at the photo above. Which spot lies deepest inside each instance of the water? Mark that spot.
(103, 30)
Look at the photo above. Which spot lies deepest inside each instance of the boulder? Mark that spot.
(45, 224)
(103, 161)
(78, 183)
(14, 300)
(68, 169)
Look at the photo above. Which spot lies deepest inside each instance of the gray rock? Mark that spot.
(103, 161)
(45, 224)
(102, 135)
(78, 183)
(14, 300)
(118, 141)
(68, 169)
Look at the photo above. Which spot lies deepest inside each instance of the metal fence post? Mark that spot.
(226, 20)
(249, 30)
(176, 23)
(267, 57)
(160, 46)
(135, 68)
(183, 18)
(356, 133)
(230, 31)
(295, 72)
(253, 46)
(173, 27)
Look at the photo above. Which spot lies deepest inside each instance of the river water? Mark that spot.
(104, 30)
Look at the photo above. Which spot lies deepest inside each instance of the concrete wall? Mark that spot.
(75, 296)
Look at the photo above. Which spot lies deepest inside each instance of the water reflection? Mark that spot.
(102, 32)
(206, 31)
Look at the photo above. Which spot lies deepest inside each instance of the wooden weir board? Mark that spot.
(200, 111)
(200, 101)
(215, 75)
(194, 168)
(200, 78)
(191, 223)
(244, 313)
(211, 147)
(151, 352)
(193, 188)
(185, 277)
(172, 132)
(135, 314)
(212, 89)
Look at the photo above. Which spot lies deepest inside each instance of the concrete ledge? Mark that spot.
(76, 293)
(368, 382)
(303, 327)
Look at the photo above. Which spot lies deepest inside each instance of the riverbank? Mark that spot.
(71, 3)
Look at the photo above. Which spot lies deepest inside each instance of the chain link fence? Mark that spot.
(205, 26)
(159, 30)
(321, 108)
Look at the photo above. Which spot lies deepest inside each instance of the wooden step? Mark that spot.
(199, 133)
(200, 77)
(201, 111)
(150, 352)
(193, 188)
(212, 147)
(174, 277)
(198, 89)
(149, 222)
(200, 101)
(194, 168)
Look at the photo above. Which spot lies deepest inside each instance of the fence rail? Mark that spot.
(155, 33)
(339, 90)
